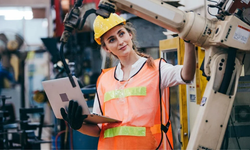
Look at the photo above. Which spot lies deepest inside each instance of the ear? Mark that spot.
(130, 34)
(106, 49)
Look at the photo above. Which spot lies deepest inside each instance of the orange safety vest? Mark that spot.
(138, 103)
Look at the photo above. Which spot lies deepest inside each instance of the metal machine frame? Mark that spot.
(225, 40)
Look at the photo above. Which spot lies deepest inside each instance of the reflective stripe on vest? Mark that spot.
(125, 130)
(133, 91)
(142, 92)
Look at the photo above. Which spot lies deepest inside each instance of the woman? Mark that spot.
(131, 91)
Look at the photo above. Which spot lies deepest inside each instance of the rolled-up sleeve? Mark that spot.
(170, 75)
(96, 109)
(96, 106)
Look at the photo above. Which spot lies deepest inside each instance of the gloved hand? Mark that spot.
(74, 116)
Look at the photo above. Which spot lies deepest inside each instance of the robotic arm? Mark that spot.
(191, 26)
(188, 25)
(225, 39)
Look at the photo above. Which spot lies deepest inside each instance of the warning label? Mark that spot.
(241, 34)
(203, 101)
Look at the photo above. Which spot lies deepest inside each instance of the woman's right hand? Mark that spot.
(74, 115)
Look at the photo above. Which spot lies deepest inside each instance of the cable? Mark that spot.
(210, 13)
(235, 133)
(66, 133)
(71, 139)
(65, 65)
(59, 133)
(213, 6)
(213, 1)
(69, 25)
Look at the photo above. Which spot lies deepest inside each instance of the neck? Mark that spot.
(128, 61)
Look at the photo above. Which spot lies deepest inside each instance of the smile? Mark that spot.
(123, 48)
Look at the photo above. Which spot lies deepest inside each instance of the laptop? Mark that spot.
(60, 92)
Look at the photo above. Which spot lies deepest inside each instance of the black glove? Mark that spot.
(74, 116)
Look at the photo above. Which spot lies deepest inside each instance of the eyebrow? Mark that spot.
(113, 36)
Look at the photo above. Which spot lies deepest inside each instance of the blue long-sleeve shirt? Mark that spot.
(4, 73)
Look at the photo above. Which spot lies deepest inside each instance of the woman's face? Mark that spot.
(118, 41)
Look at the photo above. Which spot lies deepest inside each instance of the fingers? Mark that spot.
(74, 106)
(74, 109)
(74, 112)
(64, 115)
(70, 109)
(78, 112)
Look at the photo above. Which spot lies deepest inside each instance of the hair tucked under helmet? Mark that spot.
(102, 25)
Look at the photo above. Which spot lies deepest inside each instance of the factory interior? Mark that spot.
(36, 46)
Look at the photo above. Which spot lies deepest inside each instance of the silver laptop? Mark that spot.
(60, 92)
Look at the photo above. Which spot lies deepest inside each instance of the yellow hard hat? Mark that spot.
(102, 25)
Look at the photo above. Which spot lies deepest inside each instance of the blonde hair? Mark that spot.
(129, 27)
